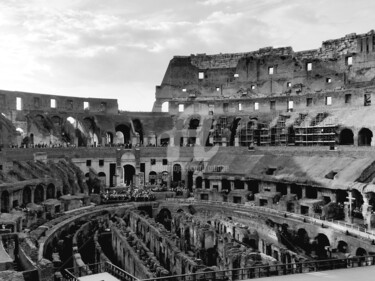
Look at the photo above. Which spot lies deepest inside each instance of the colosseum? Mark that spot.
(249, 165)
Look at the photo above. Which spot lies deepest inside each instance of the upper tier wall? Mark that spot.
(17, 101)
(338, 64)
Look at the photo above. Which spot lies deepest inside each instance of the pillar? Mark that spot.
(231, 185)
(288, 189)
(185, 141)
(236, 141)
(203, 183)
(303, 191)
(224, 141)
(145, 141)
(32, 194)
(171, 141)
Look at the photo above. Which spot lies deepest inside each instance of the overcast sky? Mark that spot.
(121, 48)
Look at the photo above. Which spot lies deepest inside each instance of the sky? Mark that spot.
(121, 49)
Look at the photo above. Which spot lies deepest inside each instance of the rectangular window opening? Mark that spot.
(53, 103)
(256, 105)
(225, 107)
(349, 60)
(348, 98)
(309, 102)
(367, 101)
(240, 106)
(217, 89)
(236, 75)
(165, 162)
(309, 66)
(253, 87)
(272, 105)
(153, 161)
(270, 70)
(328, 80)
(289, 84)
(184, 90)
(290, 106)
(86, 105)
(101, 162)
(328, 100)
(201, 75)
(88, 163)
(19, 105)
(181, 108)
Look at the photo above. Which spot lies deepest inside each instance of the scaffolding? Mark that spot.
(320, 130)
(219, 130)
(279, 132)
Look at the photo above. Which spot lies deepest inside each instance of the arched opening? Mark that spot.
(233, 131)
(193, 125)
(56, 120)
(357, 204)
(364, 137)
(303, 240)
(125, 130)
(152, 177)
(102, 177)
(165, 218)
(129, 172)
(31, 140)
(5, 205)
(198, 182)
(176, 172)
(109, 138)
(361, 252)
(190, 180)
(139, 129)
(346, 137)
(165, 107)
(26, 195)
(50, 191)
(342, 247)
(322, 242)
(38, 194)
(341, 196)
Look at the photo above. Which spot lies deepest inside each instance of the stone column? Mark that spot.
(303, 191)
(32, 194)
(185, 141)
(288, 189)
(236, 141)
(224, 141)
(171, 141)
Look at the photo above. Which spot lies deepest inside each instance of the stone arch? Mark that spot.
(129, 172)
(193, 126)
(5, 204)
(322, 242)
(139, 129)
(165, 218)
(102, 177)
(198, 182)
(152, 177)
(364, 137)
(39, 194)
(233, 130)
(177, 172)
(109, 137)
(346, 137)
(125, 130)
(51, 191)
(360, 252)
(342, 247)
(303, 240)
(26, 195)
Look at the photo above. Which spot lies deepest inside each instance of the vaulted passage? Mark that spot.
(346, 137)
(122, 134)
(364, 137)
(129, 172)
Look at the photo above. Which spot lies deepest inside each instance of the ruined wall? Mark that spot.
(268, 73)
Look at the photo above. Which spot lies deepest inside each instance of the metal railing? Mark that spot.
(72, 274)
(271, 270)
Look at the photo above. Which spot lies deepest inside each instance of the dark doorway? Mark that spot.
(346, 137)
(112, 173)
(177, 173)
(129, 171)
(364, 137)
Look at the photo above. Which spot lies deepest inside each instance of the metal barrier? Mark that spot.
(72, 274)
(271, 270)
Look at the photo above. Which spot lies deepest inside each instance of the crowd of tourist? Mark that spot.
(128, 194)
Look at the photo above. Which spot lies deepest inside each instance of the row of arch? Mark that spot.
(29, 195)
